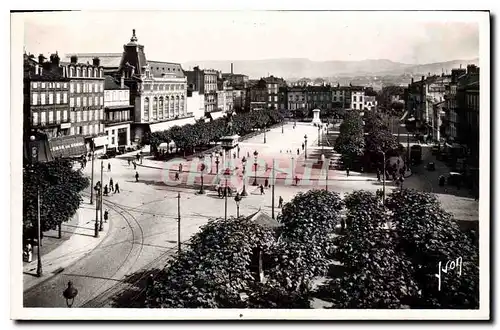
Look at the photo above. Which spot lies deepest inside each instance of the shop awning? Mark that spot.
(101, 141)
(67, 146)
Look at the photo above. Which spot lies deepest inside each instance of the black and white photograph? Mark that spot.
(329, 165)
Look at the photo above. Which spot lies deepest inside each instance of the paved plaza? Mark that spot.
(142, 230)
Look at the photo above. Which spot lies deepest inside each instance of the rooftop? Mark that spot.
(107, 60)
(111, 84)
(158, 68)
(261, 218)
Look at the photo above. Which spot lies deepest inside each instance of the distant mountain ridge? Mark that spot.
(293, 68)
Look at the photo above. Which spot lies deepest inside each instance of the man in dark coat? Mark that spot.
(136, 176)
(117, 188)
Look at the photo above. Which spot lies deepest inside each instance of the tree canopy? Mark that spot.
(59, 186)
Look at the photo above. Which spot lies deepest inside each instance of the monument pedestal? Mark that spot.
(316, 120)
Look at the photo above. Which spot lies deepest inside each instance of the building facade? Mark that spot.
(319, 97)
(158, 91)
(205, 82)
(357, 98)
(195, 104)
(341, 97)
(86, 101)
(117, 113)
(239, 99)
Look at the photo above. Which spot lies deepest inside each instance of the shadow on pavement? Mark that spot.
(134, 296)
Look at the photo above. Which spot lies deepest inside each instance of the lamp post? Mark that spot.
(96, 226)
(265, 126)
(237, 199)
(305, 146)
(100, 199)
(202, 168)
(238, 151)
(227, 175)
(327, 170)
(282, 128)
(319, 128)
(256, 154)
(410, 120)
(70, 294)
(211, 162)
(244, 162)
(92, 176)
(292, 168)
(217, 164)
(39, 269)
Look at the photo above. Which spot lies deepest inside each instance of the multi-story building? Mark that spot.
(283, 98)
(297, 98)
(239, 99)
(46, 105)
(235, 79)
(357, 97)
(224, 96)
(158, 91)
(319, 97)
(195, 103)
(86, 101)
(117, 113)
(450, 118)
(341, 97)
(258, 95)
(205, 82)
(272, 84)
(370, 102)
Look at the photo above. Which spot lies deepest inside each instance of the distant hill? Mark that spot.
(295, 68)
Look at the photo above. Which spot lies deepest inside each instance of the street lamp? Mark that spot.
(256, 154)
(237, 199)
(265, 126)
(319, 128)
(282, 129)
(411, 119)
(98, 190)
(244, 162)
(238, 150)
(217, 163)
(227, 175)
(100, 199)
(202, 168)
(211, 162)
(70, 294)
(305, 146)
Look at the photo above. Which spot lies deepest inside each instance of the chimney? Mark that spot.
(74, 59)
(55, 60)
(412, 80)
(36, 69)
(96, 61)
(423, 78)
(231, 68)
(41, 59)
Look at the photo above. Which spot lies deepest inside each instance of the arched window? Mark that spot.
(160, 112)
(155, 109)
(84, 72)
(95, 73)
(100, 73)
(176, 112)
(78, 72)
(146, 108)
(181, 106)
(90, 72)
(167, 114)
(172, 101)
(71, 71)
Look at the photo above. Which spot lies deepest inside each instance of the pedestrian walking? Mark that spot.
(28, 253)
(135, 165)
(378, 175)
(298, 151)
(266, 183)
(105, 190)
(109, 167)
(347, 171)
(128, 160)
(280, 202)
(176, 176)
(219, 191)
(261, 189)
(234, 155)
(180, 167)
(302, 146)
(296, 180)
(136, 176)
(137, 156)
(111, 186)
(248, 154)
(117, 188)
(105, 216)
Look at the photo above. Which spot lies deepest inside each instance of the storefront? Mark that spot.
(67, 146)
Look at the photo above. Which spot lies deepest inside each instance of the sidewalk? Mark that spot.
(77, 240)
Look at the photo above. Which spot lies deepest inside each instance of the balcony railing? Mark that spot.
(111, 121)
(50, 123)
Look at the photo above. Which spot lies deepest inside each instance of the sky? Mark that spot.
(177, 36)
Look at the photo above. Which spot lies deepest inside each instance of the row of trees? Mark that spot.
(59, 187)
(218, 269)
(395, 266)
(366, 136)
(189, 137)
(389, 257)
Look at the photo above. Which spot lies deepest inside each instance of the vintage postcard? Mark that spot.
(239, 165)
